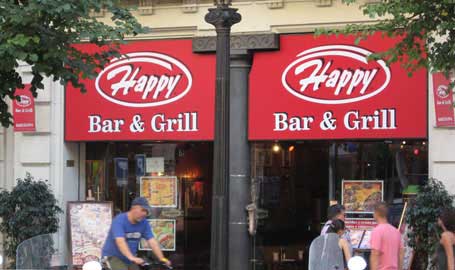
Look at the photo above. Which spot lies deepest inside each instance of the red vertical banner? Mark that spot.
(24, 110)
(443, 101)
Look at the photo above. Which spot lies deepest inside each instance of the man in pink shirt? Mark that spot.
(386, 245)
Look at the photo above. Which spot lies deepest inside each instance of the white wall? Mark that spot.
(441, 147)
(43, 153)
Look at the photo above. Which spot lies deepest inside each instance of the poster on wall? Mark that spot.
(140, 165)
(155, 165)
(160, 191)
(157, 90)
(194, 198)
(263, 157)
(94, 172)
(164, 232)
(89, 224)
(121, 171)
(443, 101)
(326, 87)
(270, 190)
(360, 196)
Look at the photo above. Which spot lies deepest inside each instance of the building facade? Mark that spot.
(60, 151)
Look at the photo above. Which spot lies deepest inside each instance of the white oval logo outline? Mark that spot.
(339, 50)
(24, 98)
(443, 88)
(149, 57)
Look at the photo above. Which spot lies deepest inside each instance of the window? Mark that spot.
(116, 170)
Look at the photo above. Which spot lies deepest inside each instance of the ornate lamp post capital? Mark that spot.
(223, 16)
(222, 2)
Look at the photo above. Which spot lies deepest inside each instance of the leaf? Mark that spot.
(42, 33)
(29, 198)
(418, 23)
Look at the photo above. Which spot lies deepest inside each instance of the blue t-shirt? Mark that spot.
(122, 227)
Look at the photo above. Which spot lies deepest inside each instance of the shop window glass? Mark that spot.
(116, 171)
(296, 180)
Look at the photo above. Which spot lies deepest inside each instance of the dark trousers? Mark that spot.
(115, 263)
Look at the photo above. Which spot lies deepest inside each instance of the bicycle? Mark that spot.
(148, 265)
(155, 266)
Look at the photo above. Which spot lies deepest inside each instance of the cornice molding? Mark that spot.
(246, 42)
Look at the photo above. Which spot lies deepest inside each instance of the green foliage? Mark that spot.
(420, 26)
(30, 209)
(42, 32)
(423, 215)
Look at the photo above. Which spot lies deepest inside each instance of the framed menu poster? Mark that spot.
(89, 224)
(160, 191)
(164, 232)
(360, 196)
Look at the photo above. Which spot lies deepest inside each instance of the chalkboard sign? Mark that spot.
(395, 214)
(405, 229)
(89, 224)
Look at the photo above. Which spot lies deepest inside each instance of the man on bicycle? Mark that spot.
(124, 236)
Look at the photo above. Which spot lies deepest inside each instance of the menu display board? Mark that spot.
(89, 226)
(160, 191)
(360, 232)
(361, 239)
(164, 232)
(360, 196)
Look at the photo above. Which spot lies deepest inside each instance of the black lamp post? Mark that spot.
(222, 17)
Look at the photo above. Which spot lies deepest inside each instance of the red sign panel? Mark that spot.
(159, 90)
(325, 88)
(443, 101)
(24, 110)
(360, 224)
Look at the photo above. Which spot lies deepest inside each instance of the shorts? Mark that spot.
(115, 263)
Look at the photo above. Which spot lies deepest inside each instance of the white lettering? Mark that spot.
(338, 79)
(280, 121)
(393, 118)
(141, 84)
(152, 82)
(380, 119)
(94, 125)
(333, 78)
(104, 126)
(295, 123)
(194, 122)
(356, 79)
(348, 121)
(184, 122)
(151, 87)
(367, 79)
(346, 75)
(154, 122)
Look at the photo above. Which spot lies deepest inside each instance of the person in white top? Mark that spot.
(334, 212)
